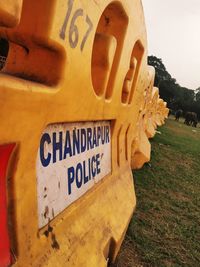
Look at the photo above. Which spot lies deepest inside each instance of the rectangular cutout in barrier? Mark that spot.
(35, 63)
(72, 158)
(107, 48)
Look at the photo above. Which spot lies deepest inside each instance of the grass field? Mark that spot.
(165, 229)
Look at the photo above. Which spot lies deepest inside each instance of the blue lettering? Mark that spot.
(94, 138)
(92, 167)
(102, 135)
(89, 170)
(45, 161)
(107, 134)
(57, 146)
(76, 142)
(79, 173)
(89, 139)
(98, 163)
(98, 135)
(68, 148)
(70, 179)
(83, 140)
(84, 173)
(79, 170)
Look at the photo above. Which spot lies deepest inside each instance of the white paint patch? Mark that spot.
(71, 159)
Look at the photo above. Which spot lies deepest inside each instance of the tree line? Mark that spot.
(176, 96)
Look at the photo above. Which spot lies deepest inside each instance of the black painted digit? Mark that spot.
(73, 30)
(89, 22)
(69, 10)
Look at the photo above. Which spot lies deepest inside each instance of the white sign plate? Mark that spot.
(71, 159)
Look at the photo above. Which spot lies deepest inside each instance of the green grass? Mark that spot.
(165, 229)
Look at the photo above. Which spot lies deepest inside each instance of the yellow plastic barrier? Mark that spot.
(77, 99)
(152, 114)
(10, 12)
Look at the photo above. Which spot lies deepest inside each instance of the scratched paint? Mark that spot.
(72, 158)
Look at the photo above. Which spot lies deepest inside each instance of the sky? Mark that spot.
(173, 33)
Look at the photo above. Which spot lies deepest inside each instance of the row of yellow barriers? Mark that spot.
(77, 106)
(152, 114)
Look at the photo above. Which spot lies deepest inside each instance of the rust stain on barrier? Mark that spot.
(54, 244)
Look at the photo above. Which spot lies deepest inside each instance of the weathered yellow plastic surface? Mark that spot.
(73, 61)
(10, 12)
(152, 114)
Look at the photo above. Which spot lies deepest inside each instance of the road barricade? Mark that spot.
(77, 106)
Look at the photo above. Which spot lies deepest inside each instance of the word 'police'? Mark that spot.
(62, 145)
(83, 172)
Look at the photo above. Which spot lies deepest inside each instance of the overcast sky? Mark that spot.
(173, 32)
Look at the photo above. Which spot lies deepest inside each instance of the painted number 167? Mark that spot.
(73, 29)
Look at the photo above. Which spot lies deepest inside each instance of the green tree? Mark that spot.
(176, 96)
(161, 72)
(197, 94)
